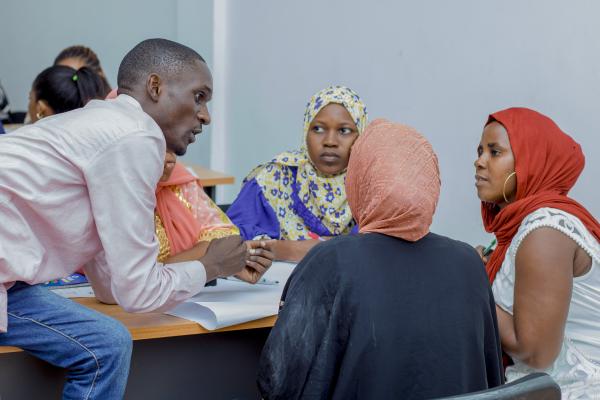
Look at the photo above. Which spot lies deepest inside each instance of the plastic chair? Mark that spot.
(224, 207)
(537, 386)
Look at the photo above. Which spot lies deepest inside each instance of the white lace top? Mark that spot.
(577, 367)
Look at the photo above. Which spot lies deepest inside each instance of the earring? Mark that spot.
(39, 115)
(504, 186)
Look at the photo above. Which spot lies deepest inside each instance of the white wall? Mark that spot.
(440, 66)
(34, 32)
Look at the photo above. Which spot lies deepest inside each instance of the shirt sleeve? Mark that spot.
(253, 214)
(98, 274)
(121, 183)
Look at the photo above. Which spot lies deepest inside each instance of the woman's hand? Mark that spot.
(292, 250)
(259, 257)
(485, 258)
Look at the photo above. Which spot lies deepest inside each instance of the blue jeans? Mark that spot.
(95, 349)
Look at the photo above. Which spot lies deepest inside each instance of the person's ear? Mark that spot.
(153, 86)
(42, 109)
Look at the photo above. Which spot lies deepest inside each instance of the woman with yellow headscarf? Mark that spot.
(299, 196)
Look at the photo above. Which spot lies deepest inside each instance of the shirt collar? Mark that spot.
(130, 100)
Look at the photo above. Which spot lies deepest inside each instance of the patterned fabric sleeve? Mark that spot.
(252, 214)
(164, 249)
(214, 222)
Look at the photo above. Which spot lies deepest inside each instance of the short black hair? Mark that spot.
(154, 55)
(65, 89)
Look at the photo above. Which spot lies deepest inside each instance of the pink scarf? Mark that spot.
(393, 181)
(180, 225)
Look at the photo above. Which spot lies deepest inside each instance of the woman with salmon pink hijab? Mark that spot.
(395, 312)
(184, 214)
(545, 271)
(186, 220)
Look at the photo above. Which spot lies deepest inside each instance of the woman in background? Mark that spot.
(185, 216)
(395, 312)
(58, 89)
(77, 57)
(299, 197)
(186, 220)
(545, 272)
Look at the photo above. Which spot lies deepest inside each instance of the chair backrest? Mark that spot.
(224, 207)
(537, 386)
(4, 106)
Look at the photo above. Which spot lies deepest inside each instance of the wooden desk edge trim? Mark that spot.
(208, 177)
(208, 182)
(194, 328)
(185, 330)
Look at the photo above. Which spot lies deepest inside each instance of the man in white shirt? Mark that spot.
(78, 188)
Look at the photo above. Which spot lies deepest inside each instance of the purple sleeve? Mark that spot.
(253, 214)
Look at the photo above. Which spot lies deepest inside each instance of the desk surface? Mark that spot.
(11, 127)
(208, 177)
(156, 325)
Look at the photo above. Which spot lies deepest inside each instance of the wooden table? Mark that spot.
(172, 358)
(156, 325)
(12, 127)
(209, 178)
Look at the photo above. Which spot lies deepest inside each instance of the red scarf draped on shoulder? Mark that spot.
(547, 164)
(180, 225)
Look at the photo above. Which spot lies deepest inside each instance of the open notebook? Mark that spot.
(232, 302)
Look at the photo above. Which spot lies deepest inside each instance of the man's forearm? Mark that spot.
(193, 254)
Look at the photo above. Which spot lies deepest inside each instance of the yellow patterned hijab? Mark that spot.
(304, 199)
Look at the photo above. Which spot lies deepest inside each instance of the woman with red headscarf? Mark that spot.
(545, 271)
(395, 312)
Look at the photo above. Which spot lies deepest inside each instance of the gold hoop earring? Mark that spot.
(504, 186)
(39, 115)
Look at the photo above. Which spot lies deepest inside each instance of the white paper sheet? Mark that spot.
(231, 302)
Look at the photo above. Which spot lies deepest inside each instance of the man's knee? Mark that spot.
(121, 338)
(117, 341)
